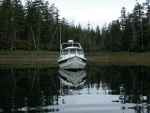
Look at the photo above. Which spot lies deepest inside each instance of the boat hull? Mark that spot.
(72, 63)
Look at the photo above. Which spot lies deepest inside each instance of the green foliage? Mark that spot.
(21, 44)
(36, 26)
(26, 52)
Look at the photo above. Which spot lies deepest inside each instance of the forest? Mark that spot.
(35, 25)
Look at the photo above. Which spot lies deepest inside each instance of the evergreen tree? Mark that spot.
(137, 21)
(48, 23)
(123, 18)
(127, 34)
(105, 43)
(34, 21)
(6, 28)
(147, 24)
(98, 38)
(17, 22)
(115, 36)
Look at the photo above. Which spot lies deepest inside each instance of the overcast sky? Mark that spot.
(96, 12)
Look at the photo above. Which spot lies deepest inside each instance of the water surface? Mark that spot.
(97, 89)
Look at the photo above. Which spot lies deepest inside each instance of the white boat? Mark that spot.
(71, 56)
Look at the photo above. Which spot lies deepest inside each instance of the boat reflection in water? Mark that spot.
(71, 79)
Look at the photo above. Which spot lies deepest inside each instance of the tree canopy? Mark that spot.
(35, 26)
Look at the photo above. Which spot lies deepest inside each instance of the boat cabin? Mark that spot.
(70, 43)
(71, 49)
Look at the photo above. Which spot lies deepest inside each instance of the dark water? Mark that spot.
(97, 89)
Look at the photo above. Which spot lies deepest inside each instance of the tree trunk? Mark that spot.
(142, 34)
(33, 37)
(12, 46)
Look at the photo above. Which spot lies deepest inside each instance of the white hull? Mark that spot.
(72, 63)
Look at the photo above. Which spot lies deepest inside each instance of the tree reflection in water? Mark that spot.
(32, 89)
(28, 88)
(130, 82)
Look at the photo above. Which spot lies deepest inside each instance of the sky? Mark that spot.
(94, 12)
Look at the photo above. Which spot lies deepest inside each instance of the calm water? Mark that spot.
(97, 89)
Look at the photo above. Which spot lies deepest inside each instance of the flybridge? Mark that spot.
(70, 41)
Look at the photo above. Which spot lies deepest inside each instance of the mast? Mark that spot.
(60, 39)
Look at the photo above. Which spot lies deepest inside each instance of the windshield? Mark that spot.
(72, 51)
(79, 51)
(65, 52)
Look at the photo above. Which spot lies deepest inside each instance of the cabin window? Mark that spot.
(72, 51)
(65, 52)
(80, 51)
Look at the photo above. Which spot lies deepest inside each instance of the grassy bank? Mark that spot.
(28, 57)
(121, 58)
(51, 57)
(118, 53)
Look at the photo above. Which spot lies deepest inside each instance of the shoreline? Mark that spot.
(52, 59)
(27, 59)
